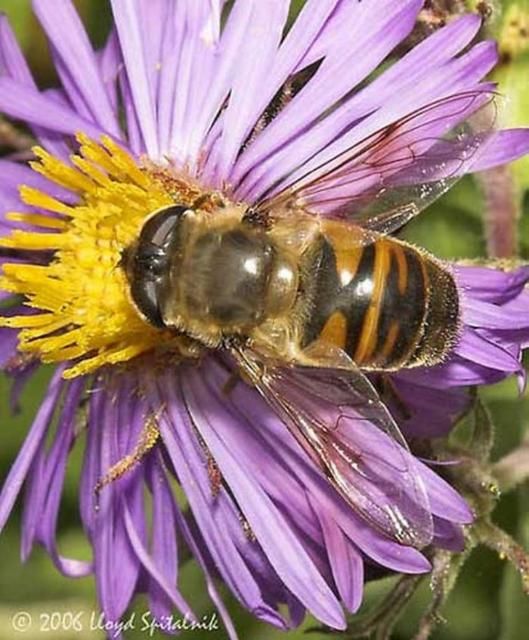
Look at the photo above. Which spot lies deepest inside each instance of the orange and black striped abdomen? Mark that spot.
(384, 303)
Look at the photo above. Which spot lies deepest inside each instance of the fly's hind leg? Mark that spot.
(231, 383)
(390, 394)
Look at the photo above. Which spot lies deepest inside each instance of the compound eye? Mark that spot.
(146, 264)
(145, 296)
(158, 230)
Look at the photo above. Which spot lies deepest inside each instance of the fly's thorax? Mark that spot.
(229, 280)
(209, 274)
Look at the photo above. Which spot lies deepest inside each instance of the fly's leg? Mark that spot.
(148, 439)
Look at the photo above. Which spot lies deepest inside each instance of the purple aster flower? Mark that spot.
(178, 102)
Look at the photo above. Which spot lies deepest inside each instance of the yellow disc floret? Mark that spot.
(78, 292)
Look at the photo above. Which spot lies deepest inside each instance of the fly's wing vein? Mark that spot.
(341, 423)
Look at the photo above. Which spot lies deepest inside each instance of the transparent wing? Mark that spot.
(384, 180)
(338, 418)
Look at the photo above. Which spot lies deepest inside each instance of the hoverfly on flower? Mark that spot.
(202, 244)
(308, 304)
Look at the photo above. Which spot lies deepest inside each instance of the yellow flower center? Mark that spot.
(82, 310)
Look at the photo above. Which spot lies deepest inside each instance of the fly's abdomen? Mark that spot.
(381, 301)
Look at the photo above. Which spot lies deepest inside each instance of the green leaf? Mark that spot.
(483, 436)
(452, 227)
(295, 7)
(512, 79)
(20, 17)
(97, 17)
(512, 73)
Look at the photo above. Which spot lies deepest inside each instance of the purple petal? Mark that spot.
(21, 376)
(164, 542)
(134, 134)
(153, 571)
(298, 40)
(198, 74)
(429, 86)
(23, 103)
(430, 412)
(378, 547)
(346, 562)
(255, 63)
(491, 285)
(45, 514)
(12, 59)
(289, 559)
(212, 590)
(15, 66)
(128, 25)
(29, 449)
(449, 536)
(116, 564)
(110, 62)
(154, 15)
(505, 146)
(70, 42)
(488, 316)
(209, 513)
(91, 470)
(8, 345)
(446, 502)
(48, 468)
(472, 346)
(345, 66)
(13, 175)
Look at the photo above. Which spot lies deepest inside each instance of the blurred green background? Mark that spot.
(488, 603)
